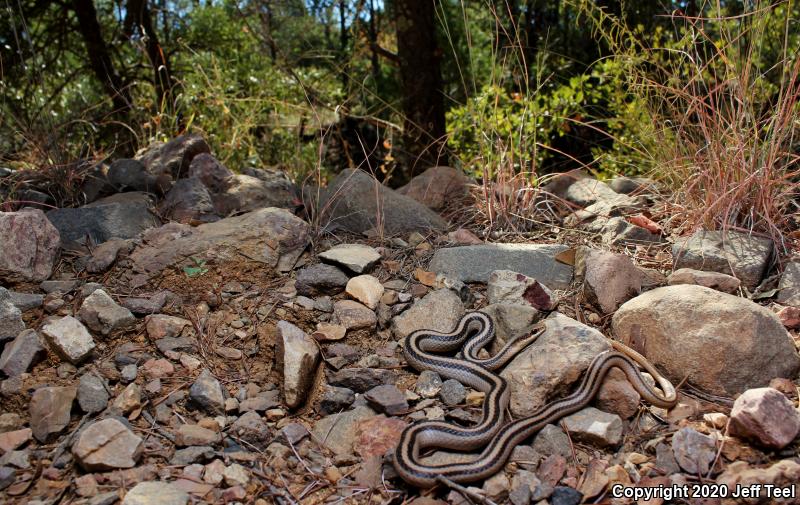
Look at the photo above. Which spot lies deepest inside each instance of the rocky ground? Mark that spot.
(195, 335)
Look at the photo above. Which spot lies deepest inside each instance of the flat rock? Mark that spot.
(607, 279)
(206, 392)
(193, 434)
(356, 202)
(101, 223)
(320, 279)
(160, 326)
(765, 416)
(693, 451)
(102, 314)
(274, 237)
(22, 353)
(361, 380)
(50, 410)
(30, 245)
(720, 343)
(387, 398)
(552, 364)
(377, 435)
(595, 427)
(298, 357)
(439, 310)
(366, 289)
(586, 191)
(353, 315)
(475, 263)
(155, 493)
(69, 338)
(335, 399)
(107, 445)
(744, 256)
(337, 432)
(714, 280)
(357, 258)
(24, 301)
(513, 288)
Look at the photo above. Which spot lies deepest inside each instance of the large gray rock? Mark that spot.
(11, 322)
(475, 263)
(437, 186)
(187, 201)
(720, 343)
(549, 366)
(356, 202)
(746, 257)
(298, 357)
(102, 314)
(174, 157)
(244, 193)
(29, 245)
(789, 285)
(20, 355)
(102, 222)
(271, 236)
(439, 310)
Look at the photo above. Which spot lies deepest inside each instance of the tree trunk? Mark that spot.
(343, 42)
(421, 85)
(139, 13)
(99, 55)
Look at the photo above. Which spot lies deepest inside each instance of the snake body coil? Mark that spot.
(499, 440)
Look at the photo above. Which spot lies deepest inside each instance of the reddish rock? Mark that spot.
(157, 368)
(11, 440)
(107, 445)
(790, 317)
(607, 279)
(377, 435)
(50, 410)
(714, 280)
(30, 245)
(617, 395)
(765, 416)
(161, 326)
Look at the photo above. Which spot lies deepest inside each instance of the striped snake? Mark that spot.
(473, 332)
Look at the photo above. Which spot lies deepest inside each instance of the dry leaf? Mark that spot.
(425, 277)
